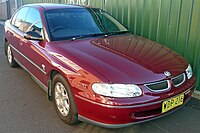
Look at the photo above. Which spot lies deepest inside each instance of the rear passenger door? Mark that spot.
(15, 34)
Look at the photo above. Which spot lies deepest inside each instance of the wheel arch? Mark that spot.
(52, 74)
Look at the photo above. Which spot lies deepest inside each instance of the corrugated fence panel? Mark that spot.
(184, 26)
(146, 18)
(194, 35)
(174, 23)
(112, 7)
(97, 3)
(194, 41)
(164, 14)
(139, 17)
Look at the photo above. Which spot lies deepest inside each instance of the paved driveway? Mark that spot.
(24, 108)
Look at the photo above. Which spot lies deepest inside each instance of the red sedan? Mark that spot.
(93, 68)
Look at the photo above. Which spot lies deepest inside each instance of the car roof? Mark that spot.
(49, 6)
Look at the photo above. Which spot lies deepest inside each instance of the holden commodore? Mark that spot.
(93, 69)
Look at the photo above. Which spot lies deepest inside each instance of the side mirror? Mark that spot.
(32, 35)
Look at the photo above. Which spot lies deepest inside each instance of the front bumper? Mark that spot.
(121, 116)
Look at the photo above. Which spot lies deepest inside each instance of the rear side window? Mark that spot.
(33, 21)
(18, 20)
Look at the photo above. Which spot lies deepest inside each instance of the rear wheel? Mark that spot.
(63, 100)
(10, 56)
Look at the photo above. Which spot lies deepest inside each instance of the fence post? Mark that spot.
(16, 5)
(8, 9)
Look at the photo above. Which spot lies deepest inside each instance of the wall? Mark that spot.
(8, 7)
(3, 11)
(174, 23)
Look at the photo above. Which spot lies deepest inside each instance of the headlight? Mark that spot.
(189, 72)
(117, 90)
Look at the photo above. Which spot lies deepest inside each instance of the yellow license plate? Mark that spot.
(172, 103)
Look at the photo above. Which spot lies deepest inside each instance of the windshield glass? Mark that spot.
(70, 23)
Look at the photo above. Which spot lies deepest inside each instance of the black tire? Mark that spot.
(9, 54)
(72, 116)
(5, 47)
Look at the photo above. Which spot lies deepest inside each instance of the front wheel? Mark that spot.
(10, 56)
(63, 100)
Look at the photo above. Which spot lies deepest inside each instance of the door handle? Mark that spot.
(20, 43)
(9, 33)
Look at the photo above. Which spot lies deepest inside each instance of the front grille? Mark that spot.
(158, 86)
(178, 80)
(165, 84)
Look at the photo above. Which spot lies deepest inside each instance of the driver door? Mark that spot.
(34, 54)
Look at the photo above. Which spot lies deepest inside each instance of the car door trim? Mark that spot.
(29, 60)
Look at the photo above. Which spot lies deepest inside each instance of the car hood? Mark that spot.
(127, 59)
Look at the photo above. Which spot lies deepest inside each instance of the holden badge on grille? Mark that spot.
(167, 73)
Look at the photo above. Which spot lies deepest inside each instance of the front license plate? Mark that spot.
(172, 103)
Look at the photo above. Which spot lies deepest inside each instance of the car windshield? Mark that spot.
(72, 23)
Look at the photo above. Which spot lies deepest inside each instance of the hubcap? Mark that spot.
(62, 99)
(9, 54)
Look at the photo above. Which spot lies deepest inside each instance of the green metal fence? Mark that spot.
(174, 23)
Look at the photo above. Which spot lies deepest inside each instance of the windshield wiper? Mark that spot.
(118, 33)
(89, 35)
(99, 34)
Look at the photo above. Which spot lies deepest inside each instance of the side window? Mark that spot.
(33, 21)
(20, 17)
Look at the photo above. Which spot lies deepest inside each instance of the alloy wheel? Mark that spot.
(9, 54)
(62, 99)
